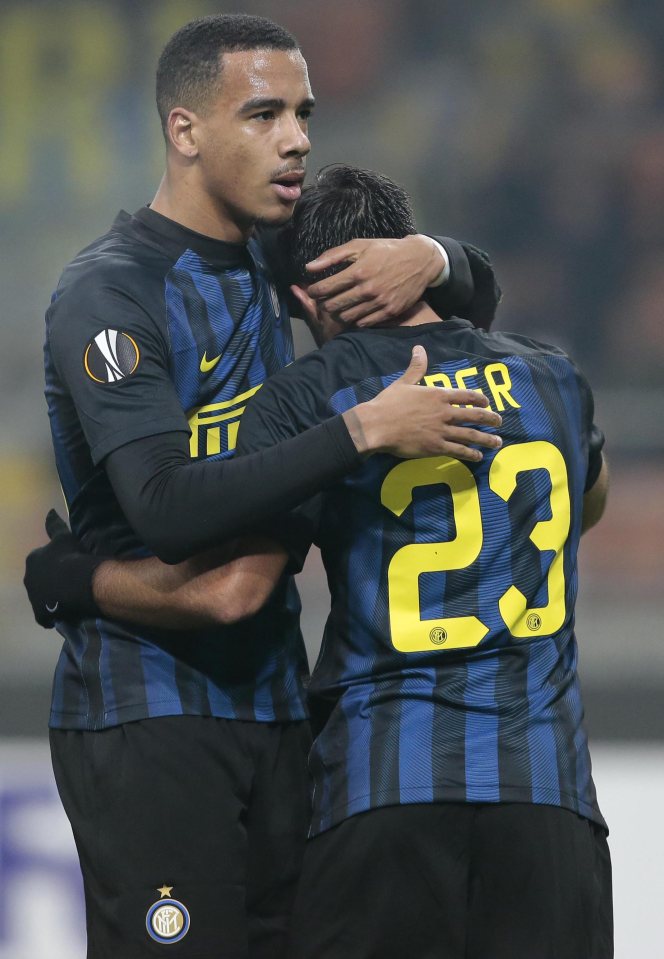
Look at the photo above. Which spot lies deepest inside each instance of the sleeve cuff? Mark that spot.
(444, 274)
(338, 432)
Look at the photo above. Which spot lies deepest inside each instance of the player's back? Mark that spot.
(448, 666)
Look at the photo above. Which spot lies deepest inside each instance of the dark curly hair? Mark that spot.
(345, 203)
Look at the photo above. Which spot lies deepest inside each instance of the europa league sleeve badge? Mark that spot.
(111, 356)
(167, 919)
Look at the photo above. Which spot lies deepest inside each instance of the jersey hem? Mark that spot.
(484, 794)
(64, 720)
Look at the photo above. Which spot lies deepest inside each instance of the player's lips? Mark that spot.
(288, 186)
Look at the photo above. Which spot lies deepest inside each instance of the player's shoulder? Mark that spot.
(299, 382)
(504, 343)
(539, 355)
(118, 260)
(114, 277)
(517, 344)
(349, 358)
(290, 401)
(320, 370)
(529, 347)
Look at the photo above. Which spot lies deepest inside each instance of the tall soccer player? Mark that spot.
(180, 762)
(454, 812)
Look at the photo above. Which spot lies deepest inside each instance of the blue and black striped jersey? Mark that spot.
(154, 329)
(448, 669)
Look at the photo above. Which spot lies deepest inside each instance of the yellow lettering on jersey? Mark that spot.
(410, 633)
(438, 379)
(497, 377)
(500, 388)
(549, 535)
(462, 375)
(206, 419)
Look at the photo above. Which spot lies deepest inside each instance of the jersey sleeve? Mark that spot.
(112, 358)
(595, 446)
(283, 408)
(472, 290)
(296, 531)
(594, 435)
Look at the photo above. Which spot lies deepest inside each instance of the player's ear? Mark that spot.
(181, 132)
(305, 301)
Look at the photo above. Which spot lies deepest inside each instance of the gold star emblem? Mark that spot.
(164, 891)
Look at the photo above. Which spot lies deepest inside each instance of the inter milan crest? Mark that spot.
(167, 919)
(111, 356)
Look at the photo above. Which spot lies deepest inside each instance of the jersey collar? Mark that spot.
(175, 239)
(412, 332)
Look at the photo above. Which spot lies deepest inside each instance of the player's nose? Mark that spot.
(294, 139)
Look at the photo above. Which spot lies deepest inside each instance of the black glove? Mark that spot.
(58, 576)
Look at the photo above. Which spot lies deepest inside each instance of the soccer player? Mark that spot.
(179, 762)
(454, 812)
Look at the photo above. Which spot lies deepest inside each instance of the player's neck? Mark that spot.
(181, 200)
(420, 313)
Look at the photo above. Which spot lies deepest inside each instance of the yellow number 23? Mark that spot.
(410, 633)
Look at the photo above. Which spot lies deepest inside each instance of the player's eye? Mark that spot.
(305, 114)
(263, 115)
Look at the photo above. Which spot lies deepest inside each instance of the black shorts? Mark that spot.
(190, 832)
(456, 881)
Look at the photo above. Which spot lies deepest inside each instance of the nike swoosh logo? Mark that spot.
(48, 608)
(207, 365)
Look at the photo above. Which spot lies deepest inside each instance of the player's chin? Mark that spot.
(278, 213)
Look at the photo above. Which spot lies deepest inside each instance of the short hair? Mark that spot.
(345, 203)
(190, 66)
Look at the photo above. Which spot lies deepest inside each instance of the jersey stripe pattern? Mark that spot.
(224, 329)
(448, 670)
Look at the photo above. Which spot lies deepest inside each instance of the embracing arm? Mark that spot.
(136, 426)
(221, 586)
(386, 277)
(183, 509)
(217, 588)
(180, 508)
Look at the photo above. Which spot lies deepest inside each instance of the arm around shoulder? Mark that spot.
(211, 590)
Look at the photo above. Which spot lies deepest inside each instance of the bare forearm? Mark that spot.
(149, 592)
(218, 587)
